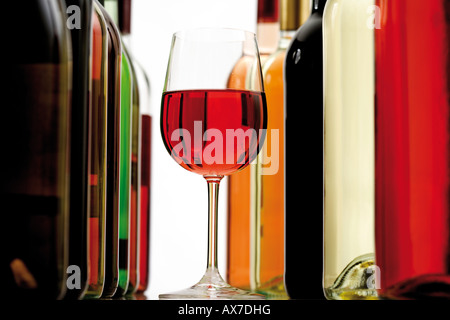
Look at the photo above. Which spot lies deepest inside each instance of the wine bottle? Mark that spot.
(303, 101)
(79, 192)
(97, 158)
(34, 184)
(349, 150)
(412, 208)
(114, 72)
(126, 97)
(268, 223)
(145, 180)
(239, 184)
(140, 106)
(133, 281)
(144, 167)
(141, 166)
(125, 170)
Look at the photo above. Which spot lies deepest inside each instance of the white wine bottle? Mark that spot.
(349, 154)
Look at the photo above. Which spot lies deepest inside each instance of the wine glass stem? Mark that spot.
(213, 199)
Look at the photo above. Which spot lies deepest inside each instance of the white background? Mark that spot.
(179, 198)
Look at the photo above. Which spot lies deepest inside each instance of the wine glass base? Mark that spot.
(211, 292)
(212, 287)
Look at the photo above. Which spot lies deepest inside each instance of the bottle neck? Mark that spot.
(293, 13)
(127, 40)
(113, 10)
(318, 6)
(268, 26)
(267, 35)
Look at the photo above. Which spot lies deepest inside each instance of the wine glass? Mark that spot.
(212, 127)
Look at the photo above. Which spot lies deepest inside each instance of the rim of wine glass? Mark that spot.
(179, 34)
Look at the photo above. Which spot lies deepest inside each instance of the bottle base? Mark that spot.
(273, 289)
(425, 287)
(358, 281)
(349, 294)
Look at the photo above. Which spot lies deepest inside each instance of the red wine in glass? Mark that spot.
(220, 129)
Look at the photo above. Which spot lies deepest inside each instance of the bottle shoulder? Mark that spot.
(274, 61)
(310, 30)
(305, 50)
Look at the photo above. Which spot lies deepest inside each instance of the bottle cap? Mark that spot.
(125, 16)
(293, 13)
(268, 10)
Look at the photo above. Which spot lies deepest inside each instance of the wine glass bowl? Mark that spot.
(213, 132)
(211, 127)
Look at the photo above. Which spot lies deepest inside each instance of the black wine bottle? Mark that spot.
(303, 211)
(79, 23)
(113, 155)
(34, 170)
